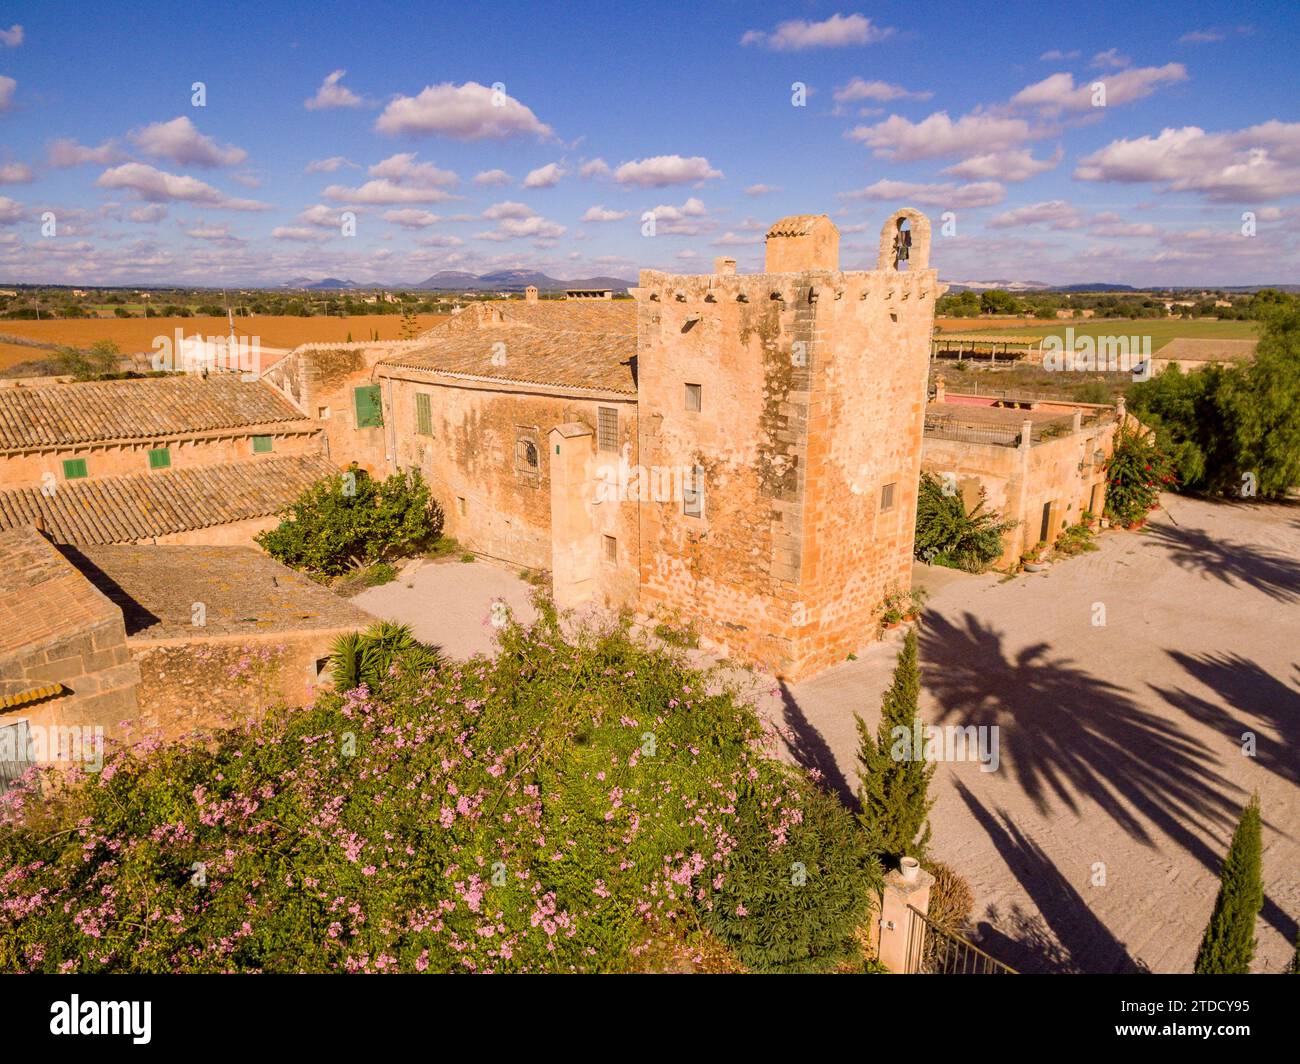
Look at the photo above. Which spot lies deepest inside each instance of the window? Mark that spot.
(74, 469)
(423, 415)
(369, 407)
(887, 497)
(16, 753)
(262, 445)
(160, 458)
(607, 428)
(611, 550)
(693, 397)
(323, 413)
(460, 505)
(526, 456)
(693, 493)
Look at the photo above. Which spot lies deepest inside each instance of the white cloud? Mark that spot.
(403, 169)
(16, 174)
(881, 91)
(509, 209)
(322, 216)
(761, 189)
(602, 214)
(534, 227)
(1058, 92)
(660, 170)
(1015, 165)
(464, 112)
(1055, 54)
(7, 89)
(158, 186)
(547, 176)
(179, 141)
(1258, 163)
(690, 219)
(903, 140)
(948, 194)
(491, 178)
(383, 192)
(12, 37)
(1110, 224)
(328, 166)
(299, 234)
(66, 152)
(594, 168)
(838, 31)
(218, 234)
(11, 211)
(1200, 37)
(411, 218)
(331, 94)
(149, 212)
(1055, 214)
(1111, 59)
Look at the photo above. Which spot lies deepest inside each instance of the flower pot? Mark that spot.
(1035, 567)
(910, 867)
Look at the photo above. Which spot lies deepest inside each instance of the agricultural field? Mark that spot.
(1161, 330)
(137, 334)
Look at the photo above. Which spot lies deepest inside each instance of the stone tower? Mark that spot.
(790, 405)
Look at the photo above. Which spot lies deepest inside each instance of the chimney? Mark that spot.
(530, 293)
(803, 242)
(724, 267)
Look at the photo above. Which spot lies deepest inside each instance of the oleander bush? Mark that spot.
(579, 803)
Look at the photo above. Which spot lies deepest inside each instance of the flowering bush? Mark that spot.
(1136, 473)
(574, 804)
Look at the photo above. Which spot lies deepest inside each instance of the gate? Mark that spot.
(934, 950)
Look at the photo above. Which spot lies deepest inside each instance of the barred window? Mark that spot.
(887, 497)
(607, 428)
(611, 550)
(526, 456)
(693, 493)
(423, 415)
(694, 396)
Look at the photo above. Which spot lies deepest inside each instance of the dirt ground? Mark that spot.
(1095, 845)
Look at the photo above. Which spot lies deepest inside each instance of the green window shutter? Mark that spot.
(262, 445)
(160, 458)
(423, 415)
(74, 468)
(370, 412)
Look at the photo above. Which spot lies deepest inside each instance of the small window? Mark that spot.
(74, 469)
(526, 456)
(262, 445)
(460, 505)
(887, 497)
(323, 413)
(694, 395)
(693, 493)
(611, 550)
(160, 458)
(423, 415)
(607, 428)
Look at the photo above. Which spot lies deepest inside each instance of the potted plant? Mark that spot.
(1035, 559)
(915, 603)
(892, 610)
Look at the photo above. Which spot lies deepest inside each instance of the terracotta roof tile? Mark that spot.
(68, 414)
(145, 505)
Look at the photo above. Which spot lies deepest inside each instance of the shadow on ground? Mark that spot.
(811, 751)
(1274, 573)
(1067, 937)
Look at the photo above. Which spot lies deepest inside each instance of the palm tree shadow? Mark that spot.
(811, 751)
(1067, 937)
(1067, 734)
(1233, 563)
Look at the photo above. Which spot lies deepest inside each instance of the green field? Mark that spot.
(1161, 330)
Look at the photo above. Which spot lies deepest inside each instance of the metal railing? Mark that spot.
(935, 950)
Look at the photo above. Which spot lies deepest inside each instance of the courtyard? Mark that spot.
(1095, 845)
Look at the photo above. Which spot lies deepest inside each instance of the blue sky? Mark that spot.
(1183, 169)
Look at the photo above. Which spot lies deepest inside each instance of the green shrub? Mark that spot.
(947, 535)
(367, 657)
(350, 520)
(1229, 943)
(1136, 472)
(576, 803)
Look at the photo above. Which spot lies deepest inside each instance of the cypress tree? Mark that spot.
(894, 784)
(1229, 942)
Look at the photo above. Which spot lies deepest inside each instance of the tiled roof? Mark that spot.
(138, 507)
(797, 224)
(42, 597)
(66, 414)
(1200, 350)
(553, 343)
(243, 591)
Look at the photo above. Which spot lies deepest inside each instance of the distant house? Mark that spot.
(589, 293)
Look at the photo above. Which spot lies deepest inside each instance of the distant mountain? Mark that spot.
(1036, 286)
(513, 281)
(327, 282)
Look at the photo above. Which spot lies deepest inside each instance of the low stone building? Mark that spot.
(1039, 463)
